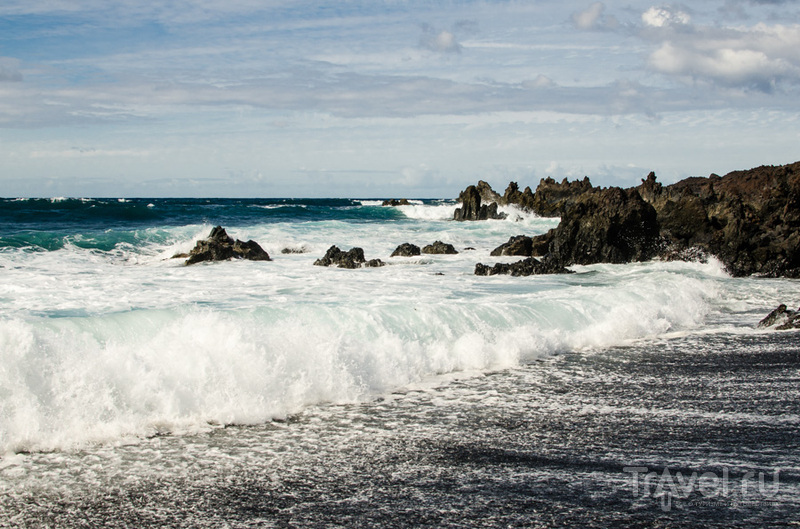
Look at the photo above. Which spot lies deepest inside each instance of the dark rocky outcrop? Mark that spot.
(406, 250)
(523, 245)
(550, 198)
(250, 250)
(750, 220)
(601, 226)
(692, 254)
(526, 267)
(439, 247)
(488, 194)
(517, 245)
(523, 199)
(472, 208)
(219, 246)
(605, 226)
(395, 202)
(352, 258)
(782, 319)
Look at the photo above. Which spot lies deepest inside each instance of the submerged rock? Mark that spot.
(406, 250)
(302, 249)
(526, 267)
(219, 246)
(439, 247)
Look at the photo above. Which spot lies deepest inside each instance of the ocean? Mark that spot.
(139, 392)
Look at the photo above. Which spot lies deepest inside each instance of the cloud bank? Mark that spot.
(342, 92)
(762, 57)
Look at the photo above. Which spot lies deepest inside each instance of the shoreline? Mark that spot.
(498, 449)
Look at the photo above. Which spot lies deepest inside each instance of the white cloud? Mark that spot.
(660, 17)
(593, 17)
(541, 81)
(441, 41)
(760, 57)
(588, 18)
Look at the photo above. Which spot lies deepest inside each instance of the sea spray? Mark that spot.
(104, 337)
(71, 380)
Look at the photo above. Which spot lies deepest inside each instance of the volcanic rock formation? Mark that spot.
(219, 246)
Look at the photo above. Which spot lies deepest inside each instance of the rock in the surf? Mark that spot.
(782, 319)
(526, 267)
(439, 247)
(395, 202)
(406, 250)
(749, 220)
(352, 258)
(471, 207)
(219, 246)
(610, 225)
(520, 245)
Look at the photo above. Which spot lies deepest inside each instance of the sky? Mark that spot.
(388, 98)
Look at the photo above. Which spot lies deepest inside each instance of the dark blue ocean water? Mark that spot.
(46, 223)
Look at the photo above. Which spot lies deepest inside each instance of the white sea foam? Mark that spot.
(108, 345)
(217, 355)
(517, 214)
(428, 212)
(444, 210)
(412, 201)
(279, 206)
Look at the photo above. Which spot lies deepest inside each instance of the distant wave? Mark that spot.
(428, 212)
